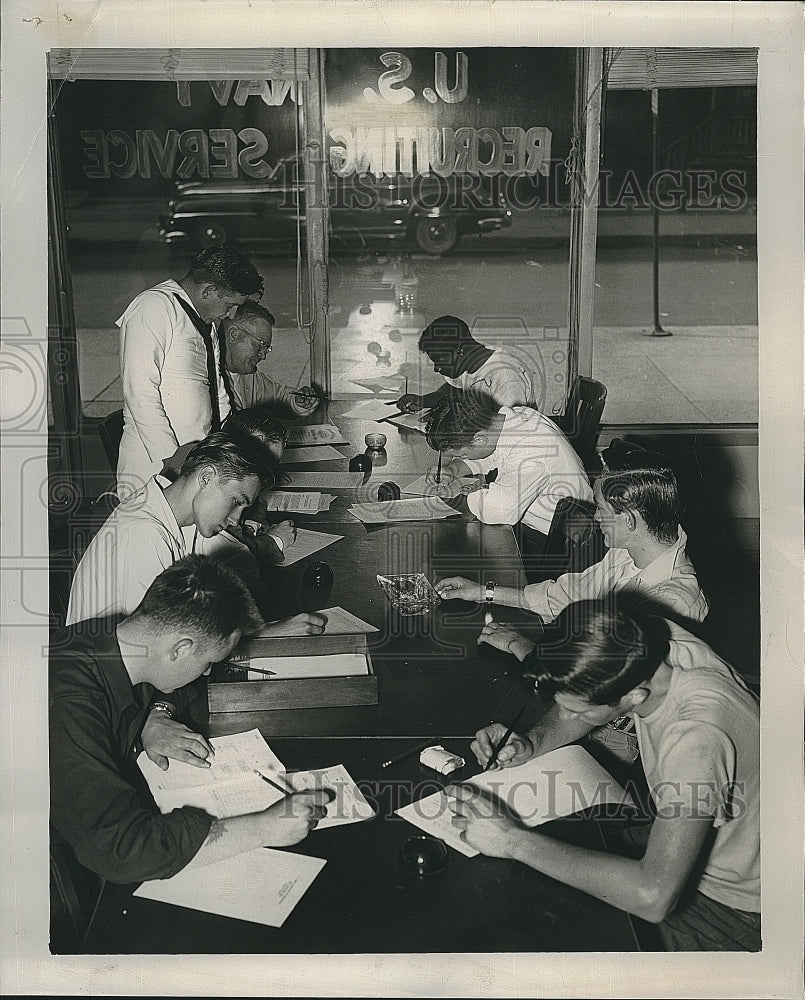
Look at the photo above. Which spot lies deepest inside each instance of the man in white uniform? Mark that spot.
(465, 363)
(245, 342)
(169, 359)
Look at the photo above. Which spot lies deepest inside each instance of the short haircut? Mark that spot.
(225, 267)
(250, 310)
(458, 417)
(634, 478)
(231, 457)
(201, 596)
(600, 650)
(444, 331)
(258, 428)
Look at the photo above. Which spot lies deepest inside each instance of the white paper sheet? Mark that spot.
(411, 421)
(293, 503)
(348, 806)
(559, 783)
(314, 434)
(383, 383)
(315, 453)
(371, 409)
(416, 509)
(341, 622)
(331, 665)
(228, 787)
(307, 542)
(262, 886)
(324, 480)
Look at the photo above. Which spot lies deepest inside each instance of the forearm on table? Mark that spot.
(228, 837)
(510, 597)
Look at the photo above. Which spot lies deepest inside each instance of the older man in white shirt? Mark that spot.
(170, 362)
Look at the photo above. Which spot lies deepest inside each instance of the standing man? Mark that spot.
(245, 342)
(169, 359)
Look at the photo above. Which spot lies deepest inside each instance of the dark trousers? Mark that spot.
(701, 924)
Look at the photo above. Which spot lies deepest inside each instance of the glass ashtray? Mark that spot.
(410, 594)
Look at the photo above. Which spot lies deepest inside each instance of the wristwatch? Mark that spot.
(489, 595)
(162, 706)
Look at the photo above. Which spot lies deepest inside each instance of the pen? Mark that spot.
(274, 784)
(494, 758)
(245, 666)
(407, 753)
(406, 385)
(439, 470)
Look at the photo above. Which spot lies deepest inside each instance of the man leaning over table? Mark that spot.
(220, 477)
(173, 391)
(698, 728)
(246, 341)
(637, 507)
(104, 698)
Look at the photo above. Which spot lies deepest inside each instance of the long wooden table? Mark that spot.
(434, 683)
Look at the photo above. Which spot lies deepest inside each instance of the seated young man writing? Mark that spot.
(518, 461)
(220, 477)
(699, 732)
(465, 363)
(102, 692)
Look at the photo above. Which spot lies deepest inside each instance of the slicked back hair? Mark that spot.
(257, 427)
(634, 478)
(232, 457)
(200, 596)
(600, 650)
(446, 331)
(458, 417)
(226, 268)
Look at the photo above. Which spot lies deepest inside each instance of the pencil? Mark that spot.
(407, 753)
(274, 784)
(245, 666)
(439, 470)
(494, 758)
(406, 385)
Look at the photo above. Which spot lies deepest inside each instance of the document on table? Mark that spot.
(228, 787)
(284, 667)
(371, 409)
(348, 806)
(298, 503)
(417, 509)
(411, 421)
(262, 886)
(315, 453)
(313, 434)
(559, 783)
(383, 383)
(341, 622)
(324, 480)
(307, 542)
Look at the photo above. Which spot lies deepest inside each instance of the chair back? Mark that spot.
(110, 431)
(582, 418)
(574, 541)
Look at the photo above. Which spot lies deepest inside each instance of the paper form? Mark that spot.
(262, 886)
(371, 409)
(316, 453)
(411, 421)
(341, 622)
(313, 434)
(348, 806)
(294, 503)
(556, 784)
(418, 509)
(324, 480)
(307, 542)
(331, 665)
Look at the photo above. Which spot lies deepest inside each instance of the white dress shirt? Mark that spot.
(670, 578)
(166, 394)
(505, 378)
(137, 541)
(536, 467)
(250, 390)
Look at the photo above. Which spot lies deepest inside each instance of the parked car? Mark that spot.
(426, 211)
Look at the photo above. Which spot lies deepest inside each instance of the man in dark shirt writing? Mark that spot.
(113, 691)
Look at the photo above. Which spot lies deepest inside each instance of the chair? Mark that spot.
(110, 431)
(574, 541)
(74, 896)
(582, 418)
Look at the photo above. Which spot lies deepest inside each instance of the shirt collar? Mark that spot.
(661, 569)
(155, 496)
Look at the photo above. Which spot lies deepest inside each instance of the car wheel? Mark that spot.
(436, 236)
(209, 233)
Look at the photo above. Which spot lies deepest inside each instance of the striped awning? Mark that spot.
(179, 64)
(649, 69)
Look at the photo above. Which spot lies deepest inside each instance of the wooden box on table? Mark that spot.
(229, 691)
